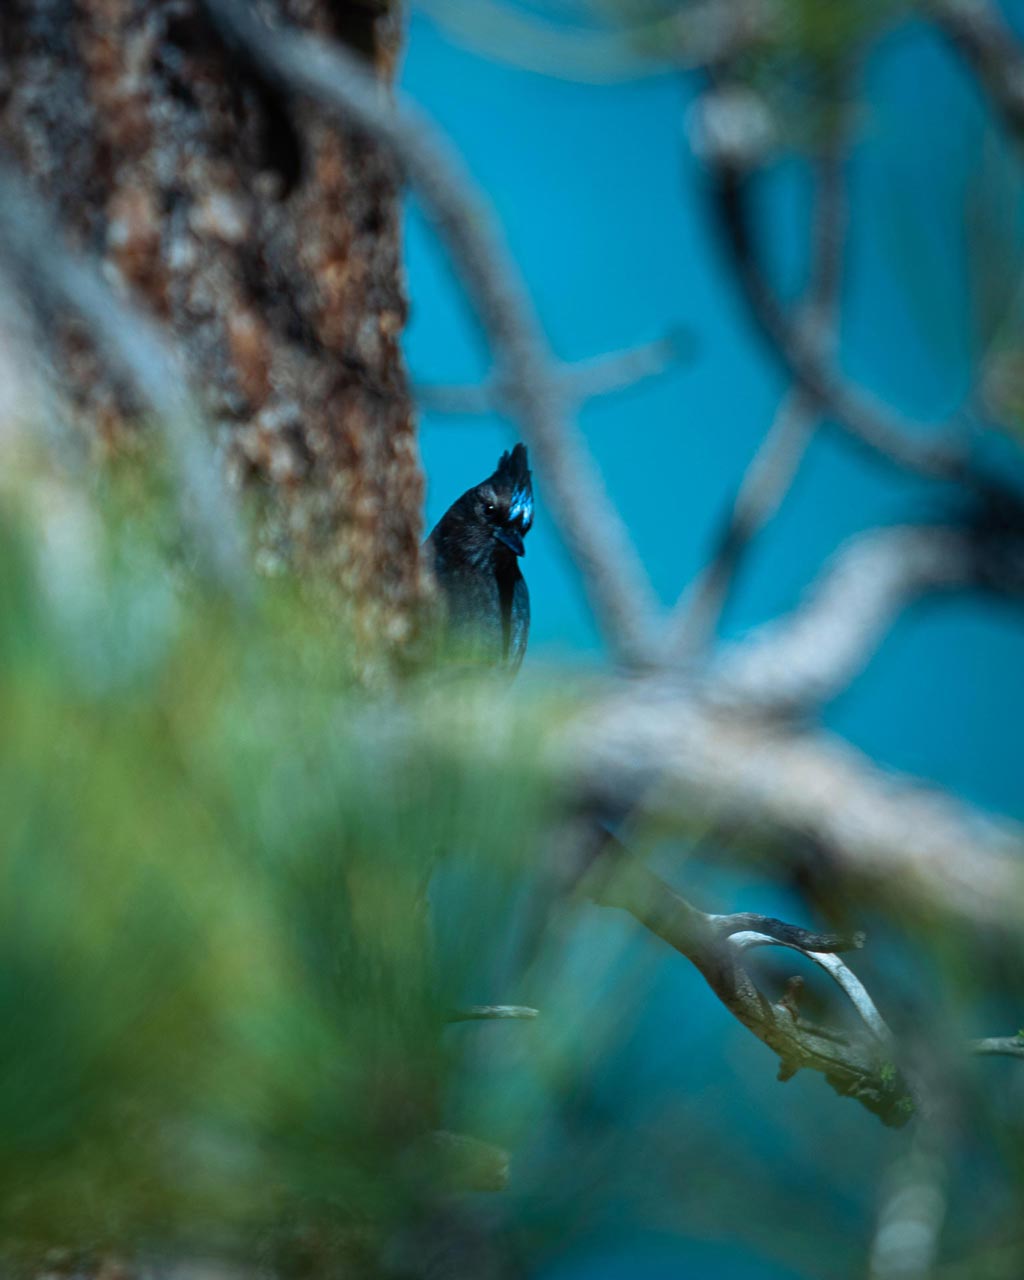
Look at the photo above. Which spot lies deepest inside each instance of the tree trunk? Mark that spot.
(267, 241)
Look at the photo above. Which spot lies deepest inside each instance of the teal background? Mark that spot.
(604, 208)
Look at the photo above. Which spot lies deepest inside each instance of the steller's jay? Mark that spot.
(474, 549)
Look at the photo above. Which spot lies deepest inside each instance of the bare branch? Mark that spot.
(913, 1210)
(784, 934)
(853, 1065)
(859, 414)
(584, 380)
(655, 745)
(799, 661)
(762, 490)
(774, 467)
(594, 533)
(1007, 1046)
(47, 273)
(840, 974)
(492, 1013)
(991, 49)
(696, 34)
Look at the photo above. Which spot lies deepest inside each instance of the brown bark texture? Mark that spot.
(265, 239)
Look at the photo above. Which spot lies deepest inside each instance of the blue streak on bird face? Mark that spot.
(520, 510)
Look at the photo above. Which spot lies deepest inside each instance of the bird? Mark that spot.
(474, 550)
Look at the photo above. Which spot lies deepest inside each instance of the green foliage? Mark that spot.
(217, 976)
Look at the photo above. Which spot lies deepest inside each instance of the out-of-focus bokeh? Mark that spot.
(309, 965)
(607, 211)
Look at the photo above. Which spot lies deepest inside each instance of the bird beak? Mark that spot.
(512, 540)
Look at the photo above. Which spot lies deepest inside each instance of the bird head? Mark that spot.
(491, 519)
(503, 503)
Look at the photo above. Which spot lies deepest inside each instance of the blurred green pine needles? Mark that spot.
(220, 991)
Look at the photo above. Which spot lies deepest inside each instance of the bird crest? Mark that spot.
(513, 473)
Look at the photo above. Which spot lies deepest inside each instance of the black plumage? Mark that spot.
(475, 549)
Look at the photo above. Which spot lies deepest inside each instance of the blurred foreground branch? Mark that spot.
(659, 747)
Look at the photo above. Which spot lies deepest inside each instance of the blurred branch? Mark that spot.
(583, 380)
(801, 660)
(854, 1066)
(762, 490)
(521, 39)
(492, 1013)
(659, 746)
(1008, 1046)
(595, 535)
(769, 476)
(915, 1193)
(991, 49)
(731, 133)
(693, 35)
(51, 277)
(913, 1211)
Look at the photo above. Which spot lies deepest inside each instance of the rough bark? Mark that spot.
(266, 240)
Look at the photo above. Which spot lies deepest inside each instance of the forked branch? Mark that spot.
(855, 1064)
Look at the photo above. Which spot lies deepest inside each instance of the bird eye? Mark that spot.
(489, 508)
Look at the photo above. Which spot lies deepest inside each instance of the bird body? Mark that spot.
(474, 550)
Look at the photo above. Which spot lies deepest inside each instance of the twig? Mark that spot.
(862, 416)
(915, 1193)
(491, 1013)
(841, 975)
(854, 1066)
(913, 1210)
(784, 934)
(505, 33)
(774, 467)
(46, 272)
(991, 49)
(597, 539)
(1009, 1046)
(765, 483)
(799, 661)
(698, 33)
(584, 380)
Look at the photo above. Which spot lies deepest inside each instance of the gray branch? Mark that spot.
(492, 1013)
(801, 660)
(594, 533)
(989, 46)
(658, 747)
(862, 416)
(914, 1206)
(1006, 1046)
(775, 465)
(582, 381)
(853, 1064)
(840, 973)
